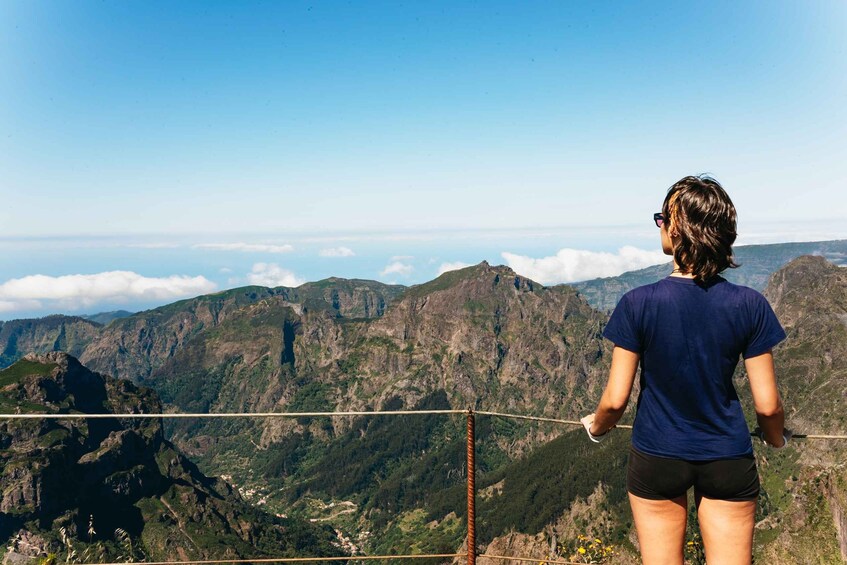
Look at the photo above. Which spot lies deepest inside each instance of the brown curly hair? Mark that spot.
(702, 214)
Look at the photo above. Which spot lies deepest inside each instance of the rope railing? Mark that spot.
(471, 414)
(210, 415)
(173, 415)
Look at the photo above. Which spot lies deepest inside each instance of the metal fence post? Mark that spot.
(471, 490)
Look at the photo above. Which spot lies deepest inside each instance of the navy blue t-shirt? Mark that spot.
(690, 337)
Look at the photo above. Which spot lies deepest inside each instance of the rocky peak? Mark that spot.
(68, 378)
(476, 280)
(54, 381)
(808, 285)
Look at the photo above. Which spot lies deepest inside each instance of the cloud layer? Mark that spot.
(246, 247)
(397, 268)
(572, 265)
(451, 267)
(272, 275)
(83, 291)
(336, 252)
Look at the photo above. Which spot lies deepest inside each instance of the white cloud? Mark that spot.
(246, 247)
(397, 268)
(224, 270)
(336, 252)
(78, 291)
(402, 257)
(451, 267)
(19, 305)
(571, 265)
(272, 275)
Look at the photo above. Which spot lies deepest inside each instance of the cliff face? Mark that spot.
(483, 334)
(134, 347)
(64, 479)
(52, 333)
(810, 298)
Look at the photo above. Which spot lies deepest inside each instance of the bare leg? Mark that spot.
(727, 530)
(661, 529)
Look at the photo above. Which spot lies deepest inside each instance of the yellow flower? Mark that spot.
(581, 550)
(597, 540)
(691, 543)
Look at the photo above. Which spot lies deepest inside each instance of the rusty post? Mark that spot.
(471, 490)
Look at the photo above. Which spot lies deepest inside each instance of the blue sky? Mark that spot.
(201, 139)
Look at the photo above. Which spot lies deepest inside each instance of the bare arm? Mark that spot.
(616, 396)
(766, 399)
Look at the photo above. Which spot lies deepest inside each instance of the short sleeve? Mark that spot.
(622, 329)
(765, 329)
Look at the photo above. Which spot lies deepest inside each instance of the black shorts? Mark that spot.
(661, 478)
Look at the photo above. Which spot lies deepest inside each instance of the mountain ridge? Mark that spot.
(757, 265)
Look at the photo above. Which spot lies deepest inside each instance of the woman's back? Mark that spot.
(690, 336)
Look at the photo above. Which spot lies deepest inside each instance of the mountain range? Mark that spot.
(757, 264)
(481, 337)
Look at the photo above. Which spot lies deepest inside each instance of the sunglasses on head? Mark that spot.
(659, 218)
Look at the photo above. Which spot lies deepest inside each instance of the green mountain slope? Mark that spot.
(105, 318)
(116, 489)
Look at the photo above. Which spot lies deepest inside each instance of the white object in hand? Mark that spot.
(786, 435)
(586, 423)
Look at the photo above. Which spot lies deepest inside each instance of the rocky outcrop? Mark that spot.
(116, 475)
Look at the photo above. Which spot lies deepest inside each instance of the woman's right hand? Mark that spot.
(786, 437)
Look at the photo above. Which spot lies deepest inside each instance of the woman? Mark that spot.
(688, 332)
